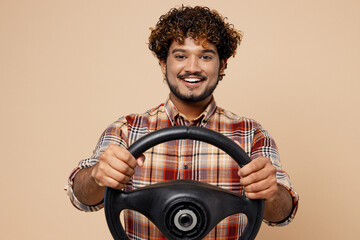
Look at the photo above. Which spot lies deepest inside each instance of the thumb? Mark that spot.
(140, 160)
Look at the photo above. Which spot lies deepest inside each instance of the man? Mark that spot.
(192, 46)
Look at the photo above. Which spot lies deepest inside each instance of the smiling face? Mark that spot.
(192, 71)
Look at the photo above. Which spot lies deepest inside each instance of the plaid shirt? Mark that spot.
(187, 159)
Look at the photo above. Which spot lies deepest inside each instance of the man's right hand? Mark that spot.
(115, 167)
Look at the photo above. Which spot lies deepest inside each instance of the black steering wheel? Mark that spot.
(184, 209)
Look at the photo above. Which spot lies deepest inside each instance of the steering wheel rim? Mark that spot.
(171, 194)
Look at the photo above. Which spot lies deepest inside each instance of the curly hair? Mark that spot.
(199, 23)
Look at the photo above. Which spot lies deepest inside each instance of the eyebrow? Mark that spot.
(203, 51)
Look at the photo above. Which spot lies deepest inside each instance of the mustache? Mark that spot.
(185, 75)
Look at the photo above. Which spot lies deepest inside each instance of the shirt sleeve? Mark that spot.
(264, 145)
(115, 134)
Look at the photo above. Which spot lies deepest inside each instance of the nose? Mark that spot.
(192, 65)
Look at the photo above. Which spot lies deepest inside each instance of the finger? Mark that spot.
(254, 177)
(112, 183)
(118, 176)
(109, 160)
(253, 166)
(261, 185)
(109, 177)
(120, 166)
(123, 155)
(268, 193)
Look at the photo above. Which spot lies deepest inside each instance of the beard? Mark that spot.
(191, 97)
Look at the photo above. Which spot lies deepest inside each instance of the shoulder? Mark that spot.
(142, 119)
(136, 118)
(235, 120)
(136, 125)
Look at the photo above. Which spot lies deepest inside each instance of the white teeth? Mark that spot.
(192, 80)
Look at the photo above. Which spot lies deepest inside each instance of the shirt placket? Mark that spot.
(187, 159)
(186, 148)
(185, 153)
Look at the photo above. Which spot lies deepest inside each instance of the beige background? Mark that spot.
(70, 68)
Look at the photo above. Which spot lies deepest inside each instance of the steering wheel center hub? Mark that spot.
(185, 219)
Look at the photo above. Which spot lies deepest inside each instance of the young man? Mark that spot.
(192, 45)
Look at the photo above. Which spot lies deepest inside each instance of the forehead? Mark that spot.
(193, 45)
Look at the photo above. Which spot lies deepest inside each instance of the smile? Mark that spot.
(192, 80)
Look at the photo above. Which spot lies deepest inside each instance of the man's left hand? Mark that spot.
(259, 179)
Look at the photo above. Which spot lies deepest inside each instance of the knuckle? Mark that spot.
(254, 177)
(254, 165)
(122, 155)
(104, 156)
(127, 156)
(101, 169)
(272, 168)
(122, 178)
(111, 149)
(130, 171)
(250, 189)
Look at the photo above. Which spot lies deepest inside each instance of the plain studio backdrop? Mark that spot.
(70, 68)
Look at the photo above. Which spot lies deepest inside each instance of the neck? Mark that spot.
(190, 109)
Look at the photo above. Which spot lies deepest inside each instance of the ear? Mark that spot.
(163, 66)
(223, 64)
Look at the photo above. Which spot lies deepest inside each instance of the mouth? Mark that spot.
(192, 80)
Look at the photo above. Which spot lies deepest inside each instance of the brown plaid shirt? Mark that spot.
(187, 159)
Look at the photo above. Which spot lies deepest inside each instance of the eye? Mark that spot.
(206, 57)
(180, 56)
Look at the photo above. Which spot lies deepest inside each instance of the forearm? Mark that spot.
(279, 208)
(86, 190)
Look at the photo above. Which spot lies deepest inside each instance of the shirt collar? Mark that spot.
(173, 114)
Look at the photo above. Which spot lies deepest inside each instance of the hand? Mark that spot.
(259, 179)
(115, 167)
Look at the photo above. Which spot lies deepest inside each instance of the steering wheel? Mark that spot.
(184, 209)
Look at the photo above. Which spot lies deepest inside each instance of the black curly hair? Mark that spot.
(199, 23)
